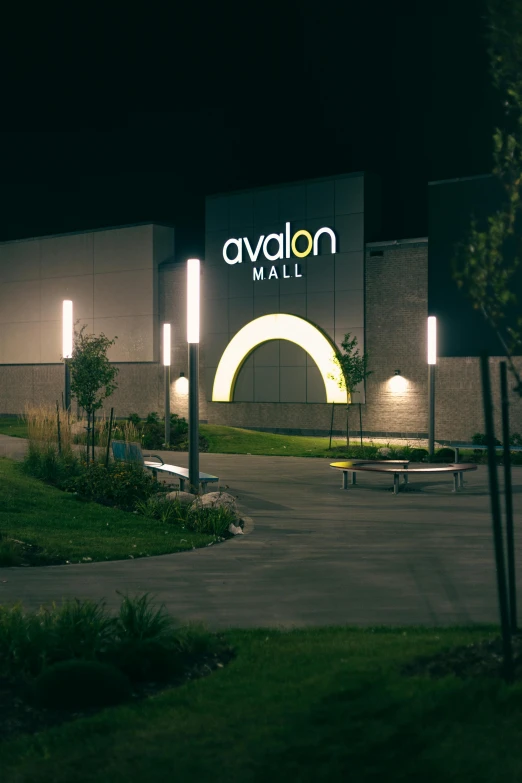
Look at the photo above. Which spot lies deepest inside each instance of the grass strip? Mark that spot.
(309, 705)
(56, 527)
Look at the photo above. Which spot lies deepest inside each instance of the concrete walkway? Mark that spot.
(316, 555)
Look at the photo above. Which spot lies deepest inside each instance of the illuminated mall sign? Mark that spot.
(276, 247)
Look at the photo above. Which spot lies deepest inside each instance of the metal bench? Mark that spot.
(391, 466)
(474, 447)
(131, 452)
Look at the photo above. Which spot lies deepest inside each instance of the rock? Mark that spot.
(236, 531)
(218, 500)
(183, 498)
(384, 452)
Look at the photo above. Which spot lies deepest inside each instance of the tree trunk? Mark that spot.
(347, 425)
(331, 425)
(93, 435)
(88, 440)
(360, 421)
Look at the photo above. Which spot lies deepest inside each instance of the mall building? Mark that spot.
(288, 271)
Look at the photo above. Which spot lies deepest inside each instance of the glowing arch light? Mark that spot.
(278, 326)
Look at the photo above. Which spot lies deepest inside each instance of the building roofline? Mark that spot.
(86, 231)
(459, 179)
(396, 242)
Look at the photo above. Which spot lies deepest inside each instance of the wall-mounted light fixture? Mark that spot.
(397, 383)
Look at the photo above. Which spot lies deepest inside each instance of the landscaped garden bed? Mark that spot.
(328, 704)
(43, 525)
(70, 661)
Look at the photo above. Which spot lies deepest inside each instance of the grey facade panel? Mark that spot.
(326, 289)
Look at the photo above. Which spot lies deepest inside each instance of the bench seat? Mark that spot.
(181, 473)
(131, 452)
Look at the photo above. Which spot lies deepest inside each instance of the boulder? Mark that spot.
(183, 498)
(235, 530)
(384, 452)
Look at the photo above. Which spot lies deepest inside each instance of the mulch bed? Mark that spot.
(19, 716)
(481, 659)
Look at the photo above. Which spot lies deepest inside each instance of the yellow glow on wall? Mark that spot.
(278, 326)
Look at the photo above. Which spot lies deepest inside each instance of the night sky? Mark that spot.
(119, 118)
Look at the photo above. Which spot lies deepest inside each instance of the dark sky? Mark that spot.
(122, 117)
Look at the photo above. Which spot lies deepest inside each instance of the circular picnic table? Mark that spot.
(400, 468)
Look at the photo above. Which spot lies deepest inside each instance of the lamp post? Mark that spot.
(67, 348)
(193, 368)
(166, 365)
(432, 361)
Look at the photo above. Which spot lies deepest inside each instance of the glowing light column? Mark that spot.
(193, 367)
(67, 348)
(166, 364)
(432, 361)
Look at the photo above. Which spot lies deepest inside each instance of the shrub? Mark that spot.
(444, 455)
(145, 644)
(479, 439)
(211, 521)
(142, 641)
(515, 439)
(121, 484)
(44, 462)
(158, 507)
(80, 684)
(11, 553)
(418, 455)
(31, 640)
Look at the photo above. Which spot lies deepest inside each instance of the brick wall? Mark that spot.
(396, 311)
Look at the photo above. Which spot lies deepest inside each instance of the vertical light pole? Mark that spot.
(166, 365)
(193, 368)
(67, 348)
(432, 361)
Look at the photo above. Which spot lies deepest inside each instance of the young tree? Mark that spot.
(354, 369)
(489, 257)
(92, 375)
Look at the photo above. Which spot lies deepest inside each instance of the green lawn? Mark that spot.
(69, 529)
(233, 440)
(307, 705)
(9, 425)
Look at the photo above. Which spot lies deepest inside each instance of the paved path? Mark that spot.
(316, 555)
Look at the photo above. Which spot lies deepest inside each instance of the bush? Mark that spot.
(418, 455)
(142, 641)
(80, 684)
(121, 484)
(444, 455)
(213, 521)
(479, 439)
(44, 462)
(31, 640)
(152, 432)
(145, 645)
(515, 439)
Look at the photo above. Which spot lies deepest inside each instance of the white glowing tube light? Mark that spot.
(278, 326)
(166, 345)
(432, 340)
(67, 329)
(193, 300)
